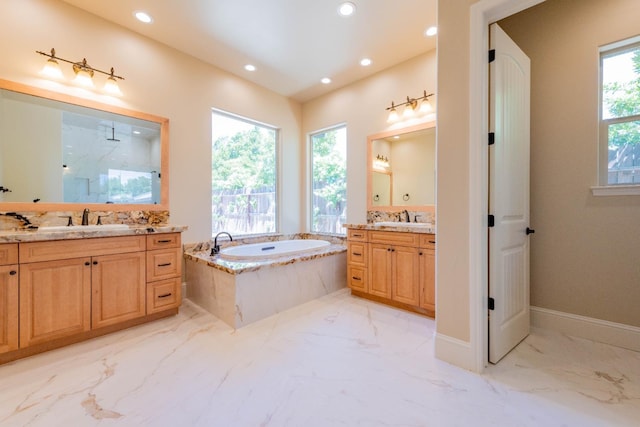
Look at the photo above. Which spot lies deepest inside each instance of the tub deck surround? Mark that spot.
(242, 292)
(200, 252)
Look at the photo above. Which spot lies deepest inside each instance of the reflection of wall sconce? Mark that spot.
(411, 107)
(83, 71)
(381, 163)
(405, 197)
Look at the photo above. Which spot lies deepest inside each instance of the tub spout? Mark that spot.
(216, 248)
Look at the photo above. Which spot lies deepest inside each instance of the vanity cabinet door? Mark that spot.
(8, 308)
(55, 300)
(119, 288)
(380, 270)
(428, 279)
(406, 275)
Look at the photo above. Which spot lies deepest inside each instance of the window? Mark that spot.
(329, 180)
(243, 175)
(620, 113)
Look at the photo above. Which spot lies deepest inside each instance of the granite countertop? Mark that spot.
(403, 227)
(76, 232)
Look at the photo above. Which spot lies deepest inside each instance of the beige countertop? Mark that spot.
(77, 232)
(404, 227)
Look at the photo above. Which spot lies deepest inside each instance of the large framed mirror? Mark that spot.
(401, 168)
(59, 152)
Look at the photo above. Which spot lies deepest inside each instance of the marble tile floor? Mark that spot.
(335, 361)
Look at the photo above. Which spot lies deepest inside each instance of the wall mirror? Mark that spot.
(59, 152)
(401, 168)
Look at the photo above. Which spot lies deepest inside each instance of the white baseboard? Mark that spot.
(603, 331)
(456, 352)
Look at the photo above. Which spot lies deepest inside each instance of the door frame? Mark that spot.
(482, 13)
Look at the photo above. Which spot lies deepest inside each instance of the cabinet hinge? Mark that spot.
(492, 55)
(492, 304)
(492, 138)
(492, 221)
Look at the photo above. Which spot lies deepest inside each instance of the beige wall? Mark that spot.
(160, 81)
(584, 255)
(362, 107)
(452, 210)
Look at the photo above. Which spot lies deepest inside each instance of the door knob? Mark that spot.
(529, 231)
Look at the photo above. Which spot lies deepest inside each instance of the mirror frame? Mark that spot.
(387, 134)
(115, 207)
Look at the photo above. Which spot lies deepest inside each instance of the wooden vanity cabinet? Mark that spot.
(8, 297)
(63, 293)
(399, 267)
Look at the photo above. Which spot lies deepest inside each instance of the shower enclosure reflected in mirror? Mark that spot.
(401, 168)
(57, 151)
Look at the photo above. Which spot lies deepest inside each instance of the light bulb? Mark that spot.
(111, 86)
(393, 116)
(52, 69)
(426, 107)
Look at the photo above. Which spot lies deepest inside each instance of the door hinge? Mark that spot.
(492, 304)
(492, 138)
(492, 221)
(492, 55)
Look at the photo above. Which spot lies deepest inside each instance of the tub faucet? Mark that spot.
(216, 248)
(85, 217)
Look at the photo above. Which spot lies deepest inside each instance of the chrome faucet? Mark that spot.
(216, 248)
(406, 215)
(85, 217)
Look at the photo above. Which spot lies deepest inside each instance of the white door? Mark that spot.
(508, 195)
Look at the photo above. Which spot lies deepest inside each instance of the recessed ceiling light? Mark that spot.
(346, 9)
(365, 62)
(143, 17)
(431, 31)
(250, 67)
(325, 81)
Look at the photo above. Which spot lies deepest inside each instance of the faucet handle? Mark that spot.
(70, 220)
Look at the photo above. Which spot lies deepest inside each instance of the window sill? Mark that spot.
(616, 190)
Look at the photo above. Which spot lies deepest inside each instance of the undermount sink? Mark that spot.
(70, 228)
(403, 224)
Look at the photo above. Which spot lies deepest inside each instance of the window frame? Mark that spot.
(310, 174)
(277, 163)
(604, 188)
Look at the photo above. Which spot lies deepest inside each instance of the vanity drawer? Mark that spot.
(162, 241)
(68, 249)
(8, 253)
(428, 241)
(356, 235)
(357, 253)
(163, 264)
(357, 278)
(394, 238)
(163, 295)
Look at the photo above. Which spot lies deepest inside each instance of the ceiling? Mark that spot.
(292, 43)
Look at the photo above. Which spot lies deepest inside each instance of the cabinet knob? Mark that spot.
(13, 273)
(95, 262)
(87, 263)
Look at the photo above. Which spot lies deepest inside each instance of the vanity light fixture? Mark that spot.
(411, 107)
(83, 71)
(381, 163)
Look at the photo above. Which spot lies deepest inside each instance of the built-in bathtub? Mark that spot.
(274, 249)
(252, 279)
